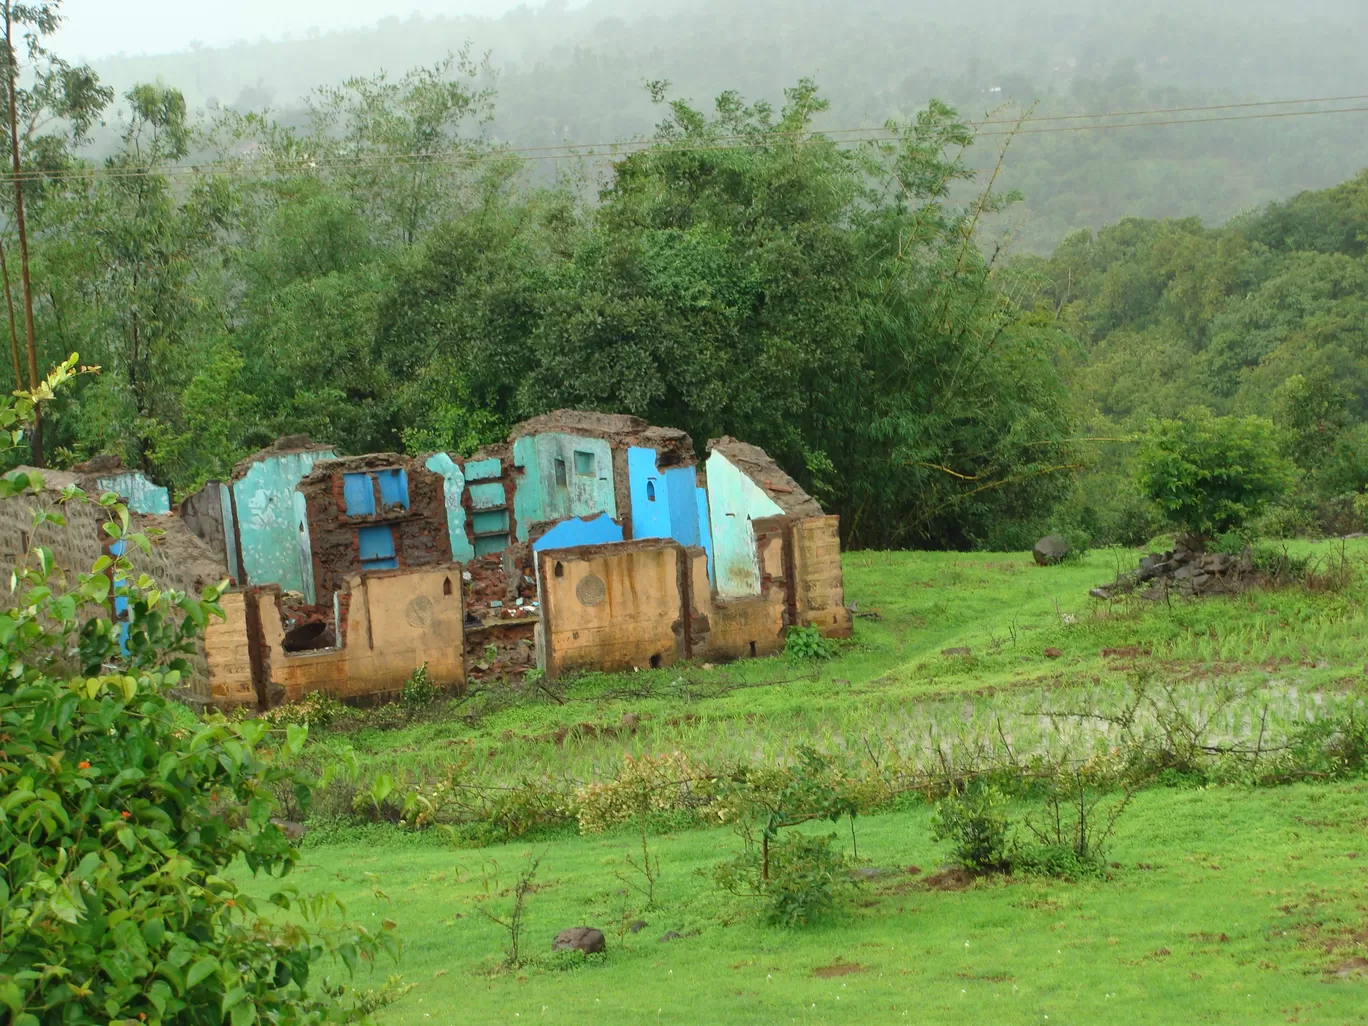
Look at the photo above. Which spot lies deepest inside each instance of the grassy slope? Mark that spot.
(1260, 867)
(1006, 610)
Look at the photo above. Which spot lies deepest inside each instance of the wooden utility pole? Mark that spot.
(26, 280)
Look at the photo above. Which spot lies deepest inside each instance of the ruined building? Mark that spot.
(586, 541)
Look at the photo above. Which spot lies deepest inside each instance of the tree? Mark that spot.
(1210, 475)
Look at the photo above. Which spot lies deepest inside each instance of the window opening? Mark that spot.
(561, 478)
(584, 464)
(650, 491)
(560, 569)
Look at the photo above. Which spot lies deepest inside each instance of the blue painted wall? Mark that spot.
(563, 476)
(272, 523)
(567, 534)
(681, 486)
(650, 498)
(679, 509)
(141, 495)
(734, 500)
(705, 531)
(454, 484)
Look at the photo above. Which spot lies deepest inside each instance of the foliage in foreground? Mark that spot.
(121, 813)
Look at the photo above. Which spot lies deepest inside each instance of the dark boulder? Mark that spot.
(580, 938)
(1051, 550)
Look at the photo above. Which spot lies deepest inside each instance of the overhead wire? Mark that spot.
(303, 163)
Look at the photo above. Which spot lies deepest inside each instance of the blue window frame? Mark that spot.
(358, 491)
(393, 488)
(359, 495)
(376, 545)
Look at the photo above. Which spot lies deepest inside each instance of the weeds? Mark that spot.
(512, 922)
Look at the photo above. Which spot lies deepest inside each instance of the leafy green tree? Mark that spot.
(1210, 475)
(122, 812)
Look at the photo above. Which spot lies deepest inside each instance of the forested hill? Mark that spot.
(575, 75)
(1265, 315)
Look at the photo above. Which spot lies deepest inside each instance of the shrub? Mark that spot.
(1211, 474)
(808, 878)
(120, 817)
(419, 691)
(975, 822)
(808, 643)
(804, 879)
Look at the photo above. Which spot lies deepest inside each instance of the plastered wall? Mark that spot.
(398, 621)
(611, 608)
(272, 522)
(734, 502)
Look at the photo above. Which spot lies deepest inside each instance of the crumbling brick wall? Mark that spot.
(419, 532)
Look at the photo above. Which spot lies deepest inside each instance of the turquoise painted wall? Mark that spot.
(452, 489)
(272, 523)
(564, 476)
(734, 500)
(141, 495)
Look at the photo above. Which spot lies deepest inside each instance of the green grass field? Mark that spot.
(1229, 905)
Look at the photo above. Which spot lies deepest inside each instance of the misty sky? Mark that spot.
(98, 28)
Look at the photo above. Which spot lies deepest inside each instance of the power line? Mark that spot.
(621, 148)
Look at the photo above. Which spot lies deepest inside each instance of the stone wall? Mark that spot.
(419, 531)
(819, 581)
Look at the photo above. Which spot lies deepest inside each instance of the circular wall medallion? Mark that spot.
(591, 591)
(419, 612)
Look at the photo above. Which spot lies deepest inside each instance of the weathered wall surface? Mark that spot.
(228, 653)
(664, 500)
(453, 490)
(818, 581)
(75, 546)
(612, 607)
(398, 621)
(569, 534)
(272, 520)
(140, 494)
(751, 625)
(203, 514)
(734, 503)
(563, 476)
(347, 501)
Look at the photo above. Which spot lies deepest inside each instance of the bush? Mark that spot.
(419, 691)
(976, 823)
(808, 643)
(808, 878)
(1210, 475)
(120, 818)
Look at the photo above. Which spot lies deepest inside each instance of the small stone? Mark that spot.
(1054, 653)
(665, 938)
(1101, 593)
(580, 938)
(637, 925)
(949, 652)
(1050, 550)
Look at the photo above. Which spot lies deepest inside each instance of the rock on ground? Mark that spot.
(580, 938)
(1050, 550)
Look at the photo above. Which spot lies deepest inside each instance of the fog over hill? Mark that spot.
(574, 73)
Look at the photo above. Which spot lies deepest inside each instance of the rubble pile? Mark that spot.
(1185, 570)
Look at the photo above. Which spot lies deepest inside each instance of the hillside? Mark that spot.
(575, 75)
